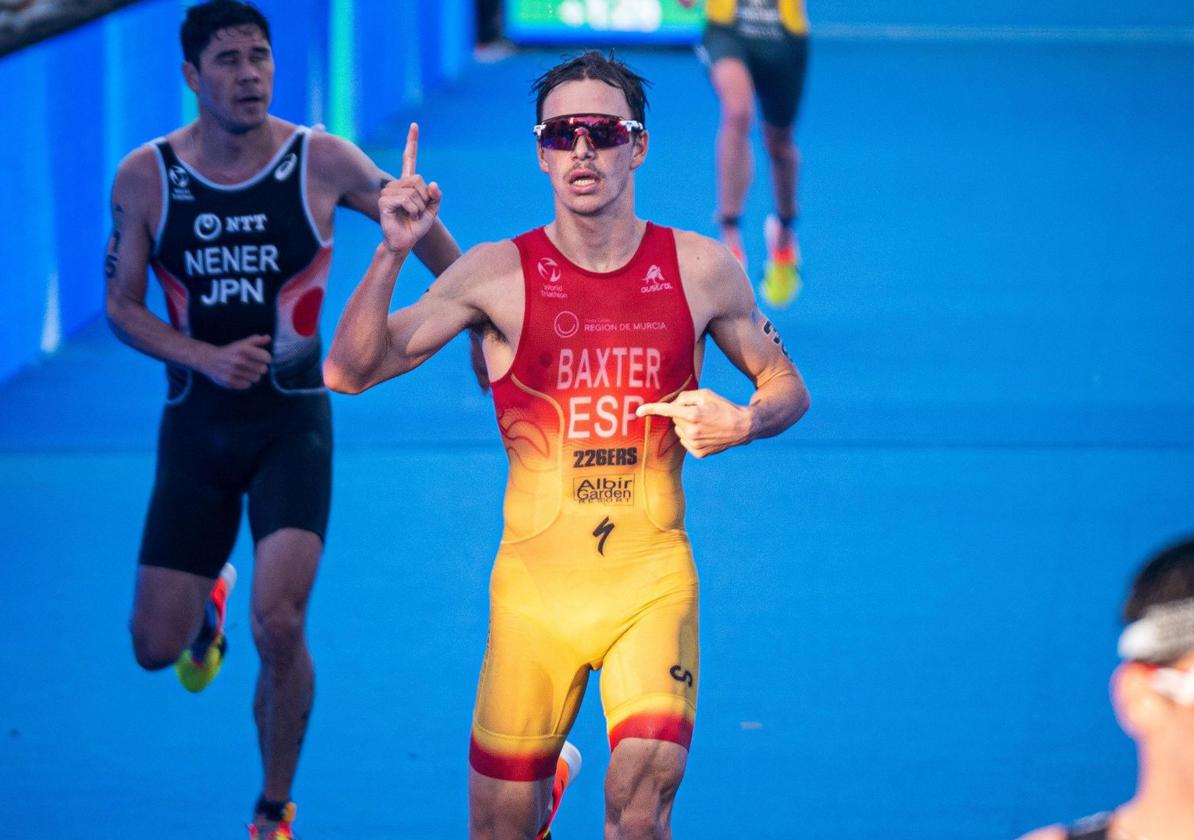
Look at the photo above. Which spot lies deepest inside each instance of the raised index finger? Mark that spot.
(412, 150)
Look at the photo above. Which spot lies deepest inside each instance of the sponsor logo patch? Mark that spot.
(604, 490)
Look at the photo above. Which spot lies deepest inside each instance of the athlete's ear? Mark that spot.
(190, 73)
(1138, 707)
(641, 141)
(542, 155)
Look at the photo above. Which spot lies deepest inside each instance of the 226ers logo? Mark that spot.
(619, 456)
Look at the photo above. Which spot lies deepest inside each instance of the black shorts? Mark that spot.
(776, 66)
(279, 453)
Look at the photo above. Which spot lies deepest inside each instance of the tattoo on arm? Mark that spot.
(772, 333)
(113, 255)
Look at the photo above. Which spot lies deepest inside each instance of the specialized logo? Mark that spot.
(623, 456)
(566, 324)
(285, 167)
(208, 226)
(549, 270)
(681, 674)
(603, 531)
(655, 281)
(607, 490)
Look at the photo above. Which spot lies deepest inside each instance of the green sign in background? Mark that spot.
(616, 21)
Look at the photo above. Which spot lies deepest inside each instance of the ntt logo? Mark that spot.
(208, 226)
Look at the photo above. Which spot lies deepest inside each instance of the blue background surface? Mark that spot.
(909, 601)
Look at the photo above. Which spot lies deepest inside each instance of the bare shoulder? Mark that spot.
(702, 257)
(713, 279)
(1050, 832)
(138, 183)
(491, 264)
(330, 153)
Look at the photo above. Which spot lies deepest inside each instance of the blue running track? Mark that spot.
(909, 601)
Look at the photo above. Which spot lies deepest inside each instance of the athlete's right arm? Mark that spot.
(126, 264)
(371, 344)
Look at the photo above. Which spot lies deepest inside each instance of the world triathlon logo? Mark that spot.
(179, 177)
(566, 324)
(285, 167)
(549, 270)
(207, 226)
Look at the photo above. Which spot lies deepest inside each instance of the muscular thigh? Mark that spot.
(195, 508)
(531, 685)
(291, 482)
(778, 69)
(650, 676)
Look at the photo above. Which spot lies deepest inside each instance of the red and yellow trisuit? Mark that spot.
(595, 569)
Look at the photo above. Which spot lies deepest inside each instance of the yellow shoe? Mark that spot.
(282, 830)
(781, 274)
(199, 664)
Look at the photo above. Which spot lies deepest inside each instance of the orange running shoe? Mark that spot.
(781, 275)
(567, 769)
(199, 664)
(283, 829)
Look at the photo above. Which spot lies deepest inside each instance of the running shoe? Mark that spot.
(199, 664)
(567, 769)
(281, 830)
(781, 275)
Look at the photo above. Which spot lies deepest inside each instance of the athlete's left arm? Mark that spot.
(721, 299)
(360, 181)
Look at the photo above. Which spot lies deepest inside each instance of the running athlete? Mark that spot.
(758, 47)
(233, 212)
(1153, 693)
(594, 330)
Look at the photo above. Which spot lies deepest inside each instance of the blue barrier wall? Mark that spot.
(74, 106)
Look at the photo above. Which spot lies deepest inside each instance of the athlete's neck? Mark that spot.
(221, 154)
(1161, 810)
(597, 243)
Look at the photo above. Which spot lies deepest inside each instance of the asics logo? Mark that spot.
(285, 167)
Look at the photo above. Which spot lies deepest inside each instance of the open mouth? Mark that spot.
(583, 178)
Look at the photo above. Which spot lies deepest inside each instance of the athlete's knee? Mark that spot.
(737, 115)
(503, 810)
(279, 631)
(639, 819)
(155, 650)
(779, 142)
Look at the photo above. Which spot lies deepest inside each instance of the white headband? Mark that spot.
(1164, 632)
